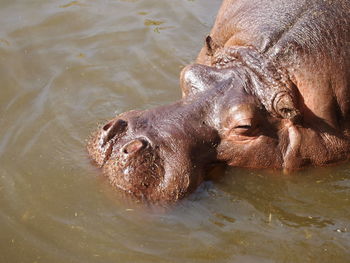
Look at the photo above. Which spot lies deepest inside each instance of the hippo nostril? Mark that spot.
(108, 125)
(113, 128)
(134, 146)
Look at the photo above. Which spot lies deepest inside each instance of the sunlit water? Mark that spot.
(66, 67)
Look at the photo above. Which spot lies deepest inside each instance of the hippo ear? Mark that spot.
(285, 106)
(196, 78)
(211, 46)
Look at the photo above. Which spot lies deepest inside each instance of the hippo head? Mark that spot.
(157, 155)
(164, 153)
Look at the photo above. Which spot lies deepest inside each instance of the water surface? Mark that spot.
(66, 67)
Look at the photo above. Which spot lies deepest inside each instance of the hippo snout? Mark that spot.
(127, 156)
(149, 154)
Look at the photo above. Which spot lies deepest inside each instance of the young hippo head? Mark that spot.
(164, 153)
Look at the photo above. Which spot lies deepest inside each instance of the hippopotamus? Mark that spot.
(270, 88)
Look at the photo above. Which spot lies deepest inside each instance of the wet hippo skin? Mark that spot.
(270, 89)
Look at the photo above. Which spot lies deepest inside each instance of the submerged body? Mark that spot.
(270, 89)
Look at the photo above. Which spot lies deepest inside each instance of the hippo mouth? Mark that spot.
(135, 168)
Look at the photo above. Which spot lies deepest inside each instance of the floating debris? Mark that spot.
(81, 55)
(149, 22)
(270, 218)
(158, 29)
(73, 3)
(4, 41)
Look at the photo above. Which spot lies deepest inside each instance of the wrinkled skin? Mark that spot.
(270, 89)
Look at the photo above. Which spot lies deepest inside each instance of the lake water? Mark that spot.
(67, 66)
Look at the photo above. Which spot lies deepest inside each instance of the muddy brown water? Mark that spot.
(67, 66)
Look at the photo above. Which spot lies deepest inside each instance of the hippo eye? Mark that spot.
(246, 127)
(243, 129)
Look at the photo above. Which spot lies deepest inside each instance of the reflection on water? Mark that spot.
(66, 66)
